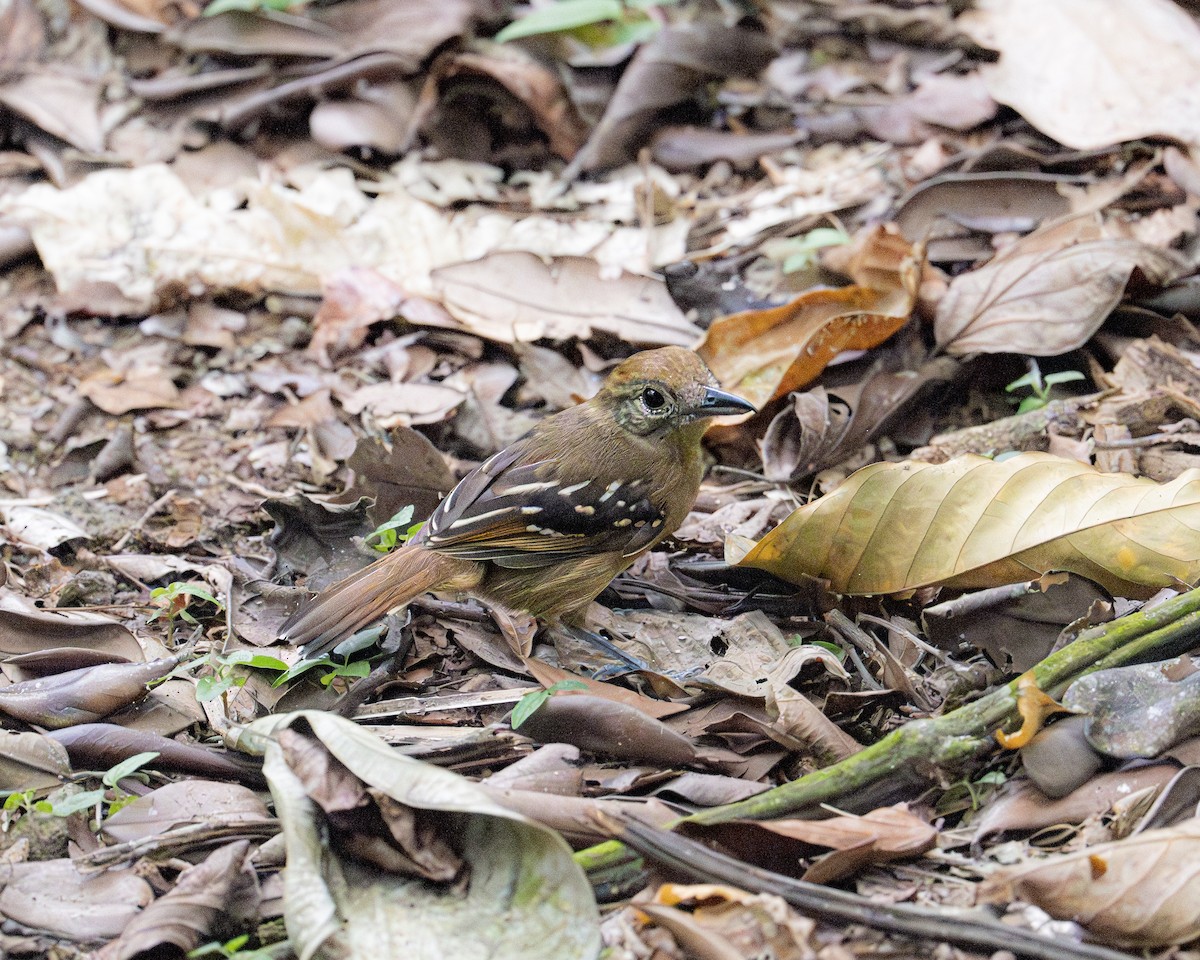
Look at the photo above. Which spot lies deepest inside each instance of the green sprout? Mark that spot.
(597, 23)
(387, 535)
(529, 703)
(1042, 386)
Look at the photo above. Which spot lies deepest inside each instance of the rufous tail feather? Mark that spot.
(368, 595)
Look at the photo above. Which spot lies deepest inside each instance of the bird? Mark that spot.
(543, 526)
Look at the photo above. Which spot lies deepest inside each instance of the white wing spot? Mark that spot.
(587, 511)
(567, 491)
(521, 488)
(473, 518)
(610, 490)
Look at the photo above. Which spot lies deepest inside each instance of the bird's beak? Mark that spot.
(718, 403)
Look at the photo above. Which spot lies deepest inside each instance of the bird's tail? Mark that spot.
(366, 596)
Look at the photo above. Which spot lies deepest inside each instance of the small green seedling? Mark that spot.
(1042, 386)
(251, 6)
(385, 536)
(172, 602)
(529, 703)
(800, 253)
(16, 804)
(224, 675)
(230, 950)
(598, 23)
(78, 802)
(333, 670)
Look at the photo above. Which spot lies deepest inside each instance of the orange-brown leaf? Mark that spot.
(764, 354)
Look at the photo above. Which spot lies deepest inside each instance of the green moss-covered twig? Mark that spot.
(920, 751)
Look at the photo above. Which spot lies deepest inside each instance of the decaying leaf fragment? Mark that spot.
(764, 354)
(973, 522)
(1137, 892)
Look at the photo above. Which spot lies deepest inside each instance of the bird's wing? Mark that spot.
(521, 514)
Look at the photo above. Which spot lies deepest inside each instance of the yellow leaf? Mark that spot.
(973, 522)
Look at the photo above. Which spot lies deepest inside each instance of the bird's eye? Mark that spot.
(653, 399)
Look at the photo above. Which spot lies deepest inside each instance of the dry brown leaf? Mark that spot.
(665, 72)
(730, 924)
(548, 675)
(55, 897)
(1040, 301)
(764, 354)
(1091, 75)
(821, 430)
(352, 300)
(884, 834)
(403, 404)
(512, 297)
(208, 897)
(973, 522)
(117, 393)
(1137, 892)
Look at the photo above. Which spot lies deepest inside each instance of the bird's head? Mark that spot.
(658, 392)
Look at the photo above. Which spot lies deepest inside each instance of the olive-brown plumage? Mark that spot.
(545, 524)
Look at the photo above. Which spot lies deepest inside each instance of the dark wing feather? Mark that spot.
(519, 514)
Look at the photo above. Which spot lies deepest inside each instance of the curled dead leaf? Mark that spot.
(764, 354)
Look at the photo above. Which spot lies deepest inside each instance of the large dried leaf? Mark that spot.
(608, 728)
(1137, 892)
(523, 898)
(408, 31)
(55, 896)
(45, 630)
(973, 522)
(81, 696)
(764, 354)
(1091, 75)
(882, 835)
(182, 802)
(1044, 295)
(31, 761)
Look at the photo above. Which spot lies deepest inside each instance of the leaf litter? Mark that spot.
(270, 279)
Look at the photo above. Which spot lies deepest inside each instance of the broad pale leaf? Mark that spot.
(1093, 74)
(764, 354)
(1042, 302)
(1138, 892)
(522, 898)
(973, 522)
